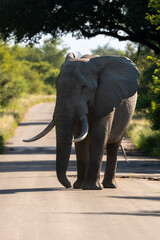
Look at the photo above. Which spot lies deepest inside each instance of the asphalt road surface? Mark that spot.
(34, 206)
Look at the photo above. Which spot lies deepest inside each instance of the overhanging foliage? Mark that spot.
(122, 19)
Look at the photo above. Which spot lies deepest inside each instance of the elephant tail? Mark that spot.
(124, 153)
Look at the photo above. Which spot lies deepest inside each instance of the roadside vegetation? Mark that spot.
(27, 77)
(11, 115)
(26, 71)
(143, 136)
(144, 129)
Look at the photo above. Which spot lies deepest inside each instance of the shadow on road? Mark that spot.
(153, 198)
(139, 166)
(30, 166)
(32, 150)
(135, 166)
(139, 213)
(25, 190)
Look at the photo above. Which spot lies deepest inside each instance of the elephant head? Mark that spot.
(88, 89)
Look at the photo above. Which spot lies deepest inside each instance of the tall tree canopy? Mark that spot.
(122, 19)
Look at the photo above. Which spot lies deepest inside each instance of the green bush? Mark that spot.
(26, 70)
(155, 115)
(155, 90)
(143, 136)
(48, 89)
(149, 142)
(10, 89)
(143, 102)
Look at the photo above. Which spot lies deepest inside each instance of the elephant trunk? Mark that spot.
(64, 133)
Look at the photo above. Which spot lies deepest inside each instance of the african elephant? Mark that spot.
(96, 98)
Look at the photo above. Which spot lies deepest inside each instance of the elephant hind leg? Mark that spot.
(111, 165)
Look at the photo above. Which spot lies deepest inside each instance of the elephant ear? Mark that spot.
(69, 56)
(117, 80)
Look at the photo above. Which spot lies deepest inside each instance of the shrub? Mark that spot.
(149, 142)
(155, 90)
(143, 136)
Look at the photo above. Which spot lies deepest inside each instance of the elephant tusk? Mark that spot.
(84, 132)
(43, 133)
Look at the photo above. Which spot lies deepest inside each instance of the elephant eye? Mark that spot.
(83, 87)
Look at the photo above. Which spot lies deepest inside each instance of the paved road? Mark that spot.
(34, 206)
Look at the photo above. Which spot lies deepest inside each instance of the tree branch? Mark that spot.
(132, 37)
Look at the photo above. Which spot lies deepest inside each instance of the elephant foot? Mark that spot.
(78, 185)
(92, 186)
(109, 184)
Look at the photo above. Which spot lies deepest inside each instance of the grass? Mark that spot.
(143, 136)
(13, 114)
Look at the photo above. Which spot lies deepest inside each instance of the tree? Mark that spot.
(26, 70)
(122, 19)
(155, 89)
(52, 54)
(154, 18)
(106, 50)
(10, 85)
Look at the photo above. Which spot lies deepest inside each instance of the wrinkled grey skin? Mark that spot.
(104, 89)
(96, 98)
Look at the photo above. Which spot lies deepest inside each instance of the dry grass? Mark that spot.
(12, 115)
(7, 124)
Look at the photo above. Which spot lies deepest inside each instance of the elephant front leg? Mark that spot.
(82, 153)
(99, 138)
(111, 165)
(92, 181)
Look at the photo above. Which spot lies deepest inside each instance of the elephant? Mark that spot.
(96, 99)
